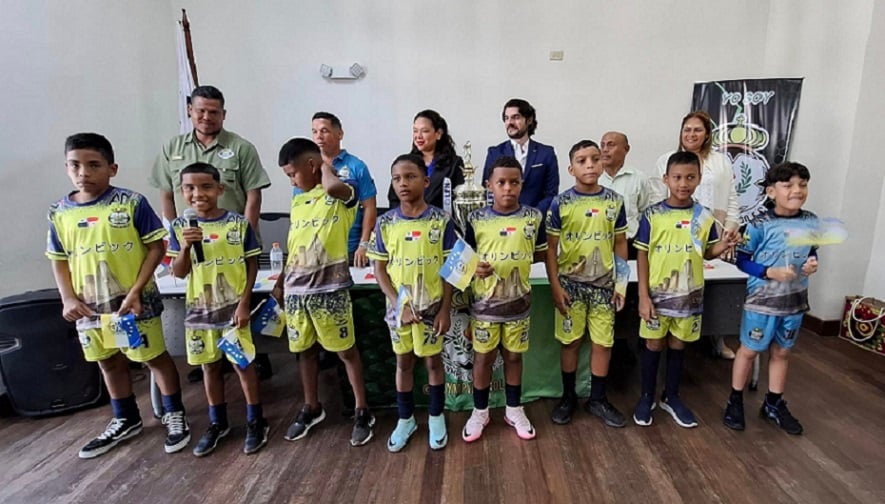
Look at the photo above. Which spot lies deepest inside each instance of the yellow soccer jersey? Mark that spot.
(318, 242)
(415, 249)
(104, 244)
(676, 266)
(508, 242)
(586, 225)
(215, 285)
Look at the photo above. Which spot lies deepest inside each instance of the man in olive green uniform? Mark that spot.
(242, 175)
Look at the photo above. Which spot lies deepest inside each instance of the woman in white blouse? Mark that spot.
(716, 190)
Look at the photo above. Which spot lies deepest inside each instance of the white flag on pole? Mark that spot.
(185, 80)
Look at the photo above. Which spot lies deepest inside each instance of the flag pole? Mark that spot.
(186, 26)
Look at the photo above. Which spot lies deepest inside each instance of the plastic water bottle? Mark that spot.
(276, 258)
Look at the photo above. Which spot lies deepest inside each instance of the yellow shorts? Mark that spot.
(687, 329)
(151, 332)
(326, 318)
(512, 335)
(202, 344)
(597, 319)
(419, 337)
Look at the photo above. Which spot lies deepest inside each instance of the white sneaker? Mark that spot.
(515, 417)
(475, 424)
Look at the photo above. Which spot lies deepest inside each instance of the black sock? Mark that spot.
(405, 404)
(597, 387)
(674, 371)
(650, 362)
(513, 393)
(771, 398)
(481, 398)
(437, 399)
(126, 408)
(737, 396)
(568, 384)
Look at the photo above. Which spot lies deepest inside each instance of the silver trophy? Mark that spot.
(468, 196)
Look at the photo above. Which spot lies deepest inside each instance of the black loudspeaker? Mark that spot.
(41, 361)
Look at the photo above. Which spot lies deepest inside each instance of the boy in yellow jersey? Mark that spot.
(508, 237)
(219, 290)
(586, 228)
(409, 247)
(104, 243)
(674, 237)
(313, 286)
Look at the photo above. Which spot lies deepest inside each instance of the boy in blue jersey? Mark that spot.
(315, 281)
(586, 228)
(674, 237)
(219, 289)
(508, 237)
(410, 245)
(104, 243)
(777, 292)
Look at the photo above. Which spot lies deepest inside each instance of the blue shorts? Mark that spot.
(759, 330)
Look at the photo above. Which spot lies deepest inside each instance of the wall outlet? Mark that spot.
(557, 55)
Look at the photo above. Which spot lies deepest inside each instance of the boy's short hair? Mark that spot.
(683, 157)
(207, 92)
(295, 148)
(526, 110)
(505, 162)
(91, 141)
(332, 118)
(784, 172)
(415, 159)
(201, 168)
(583, 144)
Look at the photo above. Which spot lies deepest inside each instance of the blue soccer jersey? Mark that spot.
(766, 240)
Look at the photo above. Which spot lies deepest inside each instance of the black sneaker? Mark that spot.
(303, 422)
(606, 411)
(562, 413)
(119, 429)
(780, 415)
(734, 415)
(256, 436)
(363, 421)
(209, 440)
(178, 435)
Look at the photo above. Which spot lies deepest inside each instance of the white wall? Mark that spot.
(67, 67)
(835, 135)
(110, 66)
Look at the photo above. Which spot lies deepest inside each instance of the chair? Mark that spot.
(273, 227)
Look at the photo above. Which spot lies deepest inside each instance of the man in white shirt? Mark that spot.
(633, 185)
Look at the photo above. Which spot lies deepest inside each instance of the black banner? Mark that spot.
(753, 121)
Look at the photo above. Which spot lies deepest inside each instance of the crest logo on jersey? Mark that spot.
(225, 153)
(434, 235)
(233, 237)
(653, 324)
(756, 334)
(119, 219)
(611, 213)
(344, 173)
(530, 230)
(87, 222)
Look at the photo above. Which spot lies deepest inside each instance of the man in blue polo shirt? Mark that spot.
(327, 134)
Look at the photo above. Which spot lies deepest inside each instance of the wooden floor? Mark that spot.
(836, 390)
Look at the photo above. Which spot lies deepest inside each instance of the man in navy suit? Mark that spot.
(540, 170)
